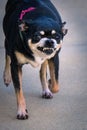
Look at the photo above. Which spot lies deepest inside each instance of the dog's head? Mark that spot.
(44, 36)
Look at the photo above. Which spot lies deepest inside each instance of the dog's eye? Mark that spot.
(57, 37)
(36, 38)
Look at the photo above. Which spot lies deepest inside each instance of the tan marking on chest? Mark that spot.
(23, 60)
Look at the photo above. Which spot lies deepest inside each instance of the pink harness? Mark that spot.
(23, 12)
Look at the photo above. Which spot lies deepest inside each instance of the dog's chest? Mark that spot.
(38, 61)
(23, 60)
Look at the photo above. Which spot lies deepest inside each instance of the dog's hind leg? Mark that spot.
(54, 70)
(16, 71)
(7, 69)
(43, 77)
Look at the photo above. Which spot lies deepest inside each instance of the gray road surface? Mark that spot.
(68, 109)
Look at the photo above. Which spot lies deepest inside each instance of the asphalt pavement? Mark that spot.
(68, 109)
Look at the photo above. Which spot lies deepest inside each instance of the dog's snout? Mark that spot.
(49, 43)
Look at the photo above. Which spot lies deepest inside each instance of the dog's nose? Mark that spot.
(49, 43)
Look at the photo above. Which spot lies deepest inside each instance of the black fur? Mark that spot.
(13, 10)
(46, 18)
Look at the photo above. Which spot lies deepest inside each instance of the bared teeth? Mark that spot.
(44, 49)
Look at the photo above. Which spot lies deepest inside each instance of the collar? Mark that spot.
(21, 36)
(23, 12)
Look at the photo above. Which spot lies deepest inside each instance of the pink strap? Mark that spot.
(23, 12)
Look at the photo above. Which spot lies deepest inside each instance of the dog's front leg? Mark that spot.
(16, 71)
(43, 77)
(54, 70)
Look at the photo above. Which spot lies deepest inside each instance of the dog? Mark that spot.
(34, 33)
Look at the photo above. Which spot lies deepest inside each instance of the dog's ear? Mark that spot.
(23, 26)
(64, 31)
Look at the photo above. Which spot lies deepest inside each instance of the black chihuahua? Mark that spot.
(33, 34)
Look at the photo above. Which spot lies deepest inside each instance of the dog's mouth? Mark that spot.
(46, 50)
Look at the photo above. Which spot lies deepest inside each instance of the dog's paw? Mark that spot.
(22, 115)
(53, 89)
(47, 95)
(7, 78)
